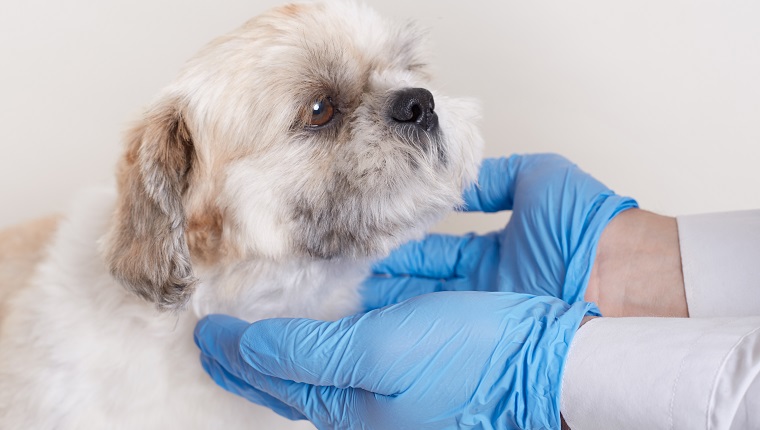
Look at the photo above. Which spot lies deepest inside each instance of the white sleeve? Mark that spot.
(720, 257)
(664, 373)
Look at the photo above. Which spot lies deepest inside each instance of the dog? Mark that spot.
(285, 158)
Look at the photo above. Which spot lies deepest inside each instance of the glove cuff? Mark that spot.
(606, 207)
(532, 380)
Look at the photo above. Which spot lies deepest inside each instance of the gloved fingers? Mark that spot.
(245, 389)
(495, 188)
(221, 339)
(382, 290)
(322, 405)
(435, 256)
(325, 406)
(502, 180)
(437, 263)
(379, 291)
(218, 336)
(341, 354)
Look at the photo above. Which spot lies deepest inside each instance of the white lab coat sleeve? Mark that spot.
(664, 373)
(720, 257)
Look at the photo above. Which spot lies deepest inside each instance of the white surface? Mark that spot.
(720, 257)
(664, 373)
(660, 100)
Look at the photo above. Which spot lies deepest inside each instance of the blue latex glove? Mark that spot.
(467, 360)
(547, 248)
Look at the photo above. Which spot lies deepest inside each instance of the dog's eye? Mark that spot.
(322, 111)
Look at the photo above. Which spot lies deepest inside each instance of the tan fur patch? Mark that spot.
(204, 236)
(22, 248)
(292, 10)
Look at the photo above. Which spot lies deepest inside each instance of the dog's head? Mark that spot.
(310, 132)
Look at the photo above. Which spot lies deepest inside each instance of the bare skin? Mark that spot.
(637, 271)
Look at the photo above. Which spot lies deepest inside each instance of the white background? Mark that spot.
(659, 99)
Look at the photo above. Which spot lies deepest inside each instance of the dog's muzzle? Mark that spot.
(414, 107)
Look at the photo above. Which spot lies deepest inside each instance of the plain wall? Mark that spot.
(658, 99)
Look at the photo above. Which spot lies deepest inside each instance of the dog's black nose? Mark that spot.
(414, 106)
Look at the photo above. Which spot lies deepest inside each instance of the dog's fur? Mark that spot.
(227, 202)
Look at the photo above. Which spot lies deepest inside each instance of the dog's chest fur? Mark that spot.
(79, 351)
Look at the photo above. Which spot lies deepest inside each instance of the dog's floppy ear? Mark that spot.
(146, 248)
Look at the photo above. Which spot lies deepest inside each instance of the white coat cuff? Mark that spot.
(663, 373)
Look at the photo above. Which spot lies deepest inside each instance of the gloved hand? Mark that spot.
(438, 361)
(547, 248)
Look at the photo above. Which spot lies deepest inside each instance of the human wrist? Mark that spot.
(637, 269)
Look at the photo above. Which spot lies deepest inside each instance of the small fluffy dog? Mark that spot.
(286, 157)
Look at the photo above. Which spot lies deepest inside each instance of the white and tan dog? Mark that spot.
(286, 157)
